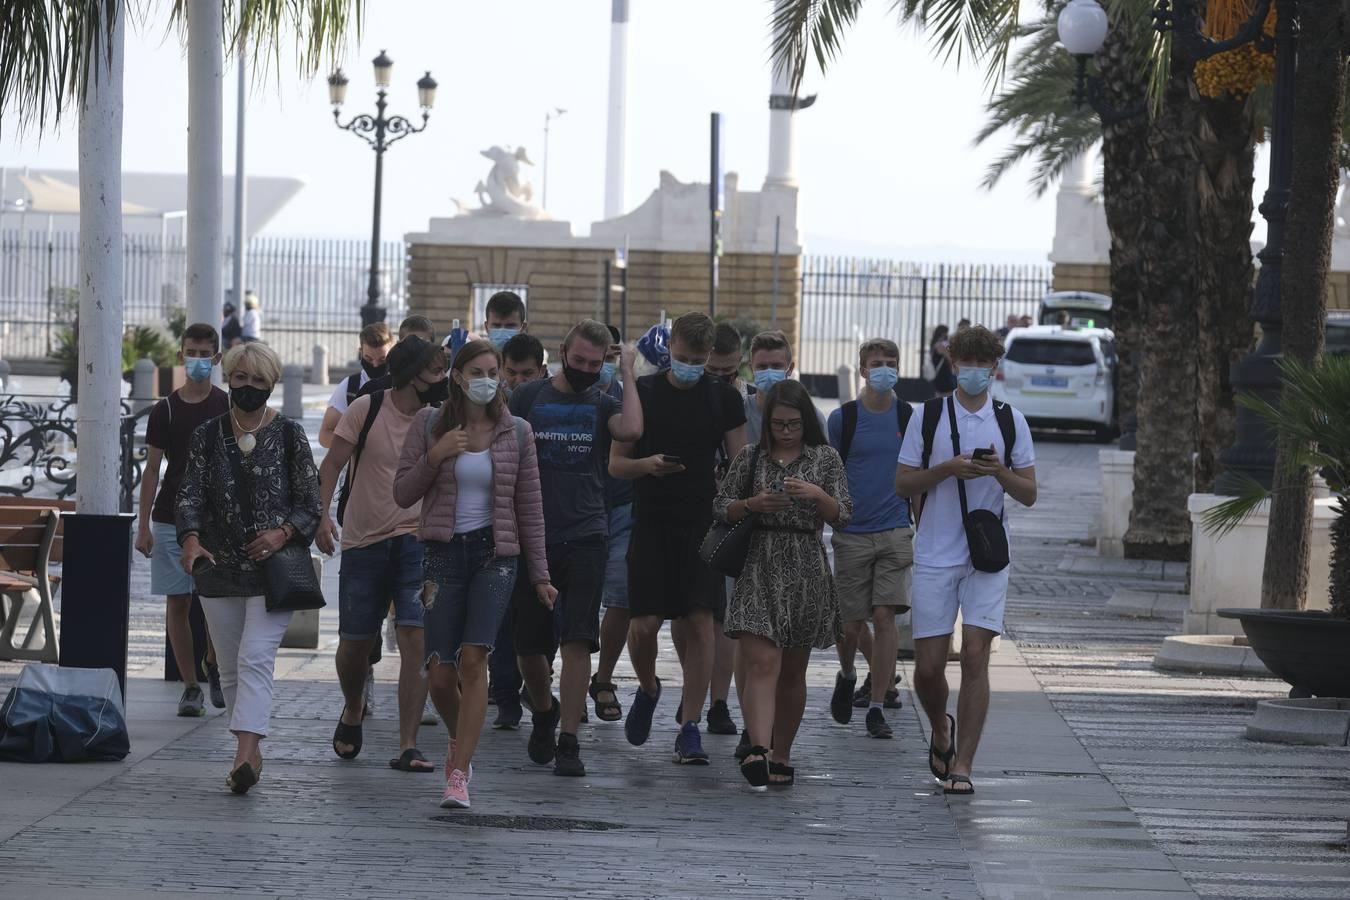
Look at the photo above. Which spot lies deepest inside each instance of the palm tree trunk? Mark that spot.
(1160, 525)
(1319, 98)
(1227, 158)
(100, 323)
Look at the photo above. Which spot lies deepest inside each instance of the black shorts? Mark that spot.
(666, 576)
(578, 572)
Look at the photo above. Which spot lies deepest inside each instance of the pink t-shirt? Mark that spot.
(371, 514)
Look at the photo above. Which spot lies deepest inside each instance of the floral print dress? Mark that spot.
(786, 592)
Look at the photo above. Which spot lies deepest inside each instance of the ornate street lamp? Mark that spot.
(379, 132)
(1082, 30)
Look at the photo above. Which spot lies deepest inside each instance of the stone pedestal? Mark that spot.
(1226, 571)
(1117, 500)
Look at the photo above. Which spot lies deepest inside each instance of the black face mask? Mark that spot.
(580, 381)
(249, 398)
(439, 392)
(373, 371)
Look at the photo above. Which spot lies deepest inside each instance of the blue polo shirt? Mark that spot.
(871, 470)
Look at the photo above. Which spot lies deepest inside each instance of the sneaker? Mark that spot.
(213, 681)
(841, 701)
(637, 727)
(450, 755)
(456, 794)
(877, 726)
(862, 697)
(892, 700)
(568, 761)
(509, 711)
(192, 703)
(719, 719)
(428, 713)
(370, 693)
(689, 746)
(743, 747)
(542, 745)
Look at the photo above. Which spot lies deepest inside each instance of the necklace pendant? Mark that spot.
(246, 444)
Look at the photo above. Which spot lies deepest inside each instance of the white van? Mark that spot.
(1060, 378)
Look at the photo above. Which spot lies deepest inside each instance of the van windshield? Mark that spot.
(1041, 352)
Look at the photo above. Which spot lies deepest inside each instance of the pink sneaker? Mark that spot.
(449, 760)
(456, 794)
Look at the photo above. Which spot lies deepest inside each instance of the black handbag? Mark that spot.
(289, 582)
(985, 535)
(726, 545)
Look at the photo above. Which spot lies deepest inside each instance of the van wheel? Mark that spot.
(1105, 434)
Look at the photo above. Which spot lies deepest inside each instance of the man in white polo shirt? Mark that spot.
(995, 457)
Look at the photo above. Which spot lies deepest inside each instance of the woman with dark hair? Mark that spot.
(784, 604)
(944, 379)
(473, 466)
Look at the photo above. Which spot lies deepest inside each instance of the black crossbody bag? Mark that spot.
(289, 582)
(985, 536)
(726, 546)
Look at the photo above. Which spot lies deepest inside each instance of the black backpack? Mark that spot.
(903, 413)
(932, 415)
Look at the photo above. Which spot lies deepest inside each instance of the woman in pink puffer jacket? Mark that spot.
(473, 466)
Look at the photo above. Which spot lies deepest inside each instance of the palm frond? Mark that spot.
(318, 30)
(803, 28)
(966, 30)
(49, 50)
(1231, 513)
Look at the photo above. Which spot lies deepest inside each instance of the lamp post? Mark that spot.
(379, 132)
(1082, 27)
(556, 113)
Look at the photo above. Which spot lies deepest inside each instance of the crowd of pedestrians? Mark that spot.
(506, 521)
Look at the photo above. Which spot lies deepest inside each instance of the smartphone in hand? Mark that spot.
(983, 453)
(671, 459)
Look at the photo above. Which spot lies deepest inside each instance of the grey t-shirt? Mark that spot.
(571, 434)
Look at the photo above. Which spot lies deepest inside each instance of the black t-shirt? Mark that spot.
(169, 429)
(618, 491)
(691, 424)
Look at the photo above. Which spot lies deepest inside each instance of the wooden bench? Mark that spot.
(30, 541)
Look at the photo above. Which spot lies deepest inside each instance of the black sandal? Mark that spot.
(947, 755)
(242, 778)
(348, 734)
(959, 779)
(756, 771)
(404, 763)
(606, 710)
(780, 769)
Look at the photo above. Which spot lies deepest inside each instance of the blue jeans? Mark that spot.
(616, 568)
(475, 589)
(503, 670)
(373, 576)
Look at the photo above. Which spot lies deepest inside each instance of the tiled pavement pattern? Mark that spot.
(1098, 777)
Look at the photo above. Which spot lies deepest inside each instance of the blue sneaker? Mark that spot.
(637, 727)
(689, 746)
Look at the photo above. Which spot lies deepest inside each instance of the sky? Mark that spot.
(885, 157)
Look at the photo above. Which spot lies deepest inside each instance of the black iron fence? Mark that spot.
(847, 300)
(311, 289)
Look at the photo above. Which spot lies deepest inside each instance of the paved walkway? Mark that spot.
(1098, 777)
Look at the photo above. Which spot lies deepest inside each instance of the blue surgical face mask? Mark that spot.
(198, 369)
(607, 372)
(767, 378)
(685, 373)
(481, 390)
(974, 381)
(499, 336)
(882, 378)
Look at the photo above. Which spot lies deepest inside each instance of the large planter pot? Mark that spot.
(1310, 649)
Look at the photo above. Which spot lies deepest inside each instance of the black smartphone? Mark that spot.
(777, 486)
(983, 453)
(672, 460)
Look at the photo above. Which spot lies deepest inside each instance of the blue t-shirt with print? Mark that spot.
(871, 470)
(571, 434)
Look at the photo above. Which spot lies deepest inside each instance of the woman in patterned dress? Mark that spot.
(784, 603)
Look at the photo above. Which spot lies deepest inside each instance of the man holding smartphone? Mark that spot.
(945, 581)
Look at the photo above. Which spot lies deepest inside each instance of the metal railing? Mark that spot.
(311, 289)
(847, 300)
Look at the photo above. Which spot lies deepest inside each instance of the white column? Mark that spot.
(100, 369)
(616, 143)
(240, 194)
(1081, 235)
(206, 112)
(782, 133)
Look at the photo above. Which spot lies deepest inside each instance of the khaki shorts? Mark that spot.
(872, 570)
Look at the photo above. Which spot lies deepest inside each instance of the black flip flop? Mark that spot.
(959, 779)
(947, 755)
(404, 763)
(348, 734)
(606, 710)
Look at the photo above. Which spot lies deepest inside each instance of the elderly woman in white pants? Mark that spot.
(225, 552)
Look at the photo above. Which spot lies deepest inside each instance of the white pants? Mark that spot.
(246, 637)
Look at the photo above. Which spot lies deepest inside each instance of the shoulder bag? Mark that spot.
(985, 536)
(726, 545)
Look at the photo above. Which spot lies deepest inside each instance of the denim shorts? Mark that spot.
(616, 569)
(167, 577)
(474, 590)
(374, 576)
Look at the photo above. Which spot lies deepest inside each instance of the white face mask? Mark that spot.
(481, 390)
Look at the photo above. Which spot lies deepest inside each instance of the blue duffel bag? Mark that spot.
(53, 714)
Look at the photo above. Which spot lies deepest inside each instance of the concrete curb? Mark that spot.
(1212, 654)
(1148, 604)
(1323, 721)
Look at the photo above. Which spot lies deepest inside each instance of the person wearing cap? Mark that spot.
(381, 555)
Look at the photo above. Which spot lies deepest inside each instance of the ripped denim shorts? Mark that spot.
(472, 590)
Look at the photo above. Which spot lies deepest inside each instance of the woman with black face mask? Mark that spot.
(228, 529)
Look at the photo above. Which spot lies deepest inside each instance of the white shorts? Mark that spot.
(939, 591)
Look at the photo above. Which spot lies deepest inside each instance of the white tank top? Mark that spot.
(473, 491)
